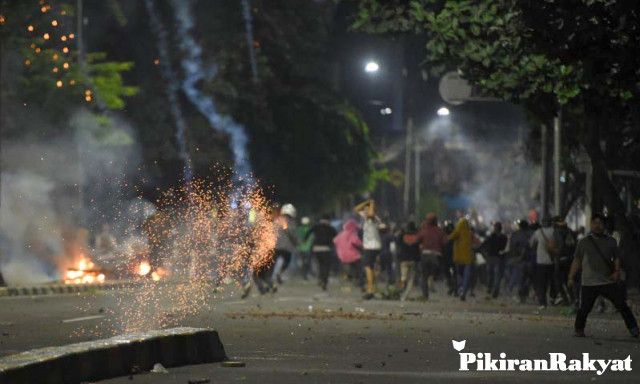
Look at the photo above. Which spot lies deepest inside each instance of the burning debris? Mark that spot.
(85, 272)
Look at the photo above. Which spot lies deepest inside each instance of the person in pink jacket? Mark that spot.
(348, 247)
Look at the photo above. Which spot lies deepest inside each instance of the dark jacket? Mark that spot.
(494, 245)
(323, 234)
(519, 248)
(408, 247)
(387, 238)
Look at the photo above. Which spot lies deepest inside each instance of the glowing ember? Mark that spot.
(158, 274)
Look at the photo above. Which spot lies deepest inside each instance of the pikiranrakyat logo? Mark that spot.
(555, 362)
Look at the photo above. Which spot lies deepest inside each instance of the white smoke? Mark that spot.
(194, 72)
(248, 26)
(502, 182)
(171, 88)
(29, 232)
(51, 188)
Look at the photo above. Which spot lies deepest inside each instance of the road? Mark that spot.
(301, 334)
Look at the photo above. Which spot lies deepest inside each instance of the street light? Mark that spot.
(371, 67)
(443, 111)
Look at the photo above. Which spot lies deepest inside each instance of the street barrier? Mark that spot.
(117, 356)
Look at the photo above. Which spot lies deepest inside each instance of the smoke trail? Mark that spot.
(171, 89)
(193, 73)
(248, 23)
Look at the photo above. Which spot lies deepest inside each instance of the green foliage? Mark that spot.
(47, 71)
(106, 77)
(484, 39)
(577, 55)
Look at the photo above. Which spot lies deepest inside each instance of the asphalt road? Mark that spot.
(302, 335)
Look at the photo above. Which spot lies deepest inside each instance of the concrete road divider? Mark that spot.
(113, 357)
(51, 289)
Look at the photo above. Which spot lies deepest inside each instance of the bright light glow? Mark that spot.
(371, 67)
(144, 268)
(385, 111)
(443, 111)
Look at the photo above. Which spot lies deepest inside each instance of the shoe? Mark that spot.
(367, 296)
(279, 278)
(274, 288)
(542, 308)
(579, 333)
(463, 298)
(635, 333)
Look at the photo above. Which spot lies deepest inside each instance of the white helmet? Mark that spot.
(289, 210)
(305, 221)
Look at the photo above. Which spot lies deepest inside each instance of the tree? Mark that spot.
(41, 67)
(306, 140)
(578, 56)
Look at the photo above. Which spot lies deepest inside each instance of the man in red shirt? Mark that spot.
(432, 239)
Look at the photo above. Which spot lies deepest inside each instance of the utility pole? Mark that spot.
(407, 166)
(588, 206)
(417, 148)
(557, 145)
(545, 177)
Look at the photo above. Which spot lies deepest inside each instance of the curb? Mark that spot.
(117, 356)
(51, 289)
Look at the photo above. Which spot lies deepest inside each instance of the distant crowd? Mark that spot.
(547, 262)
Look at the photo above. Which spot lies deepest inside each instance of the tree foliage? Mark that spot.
(576, 55)
(306, 140)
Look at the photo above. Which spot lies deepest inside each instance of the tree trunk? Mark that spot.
(611, 198)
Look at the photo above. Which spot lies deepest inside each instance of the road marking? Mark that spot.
(82, 319)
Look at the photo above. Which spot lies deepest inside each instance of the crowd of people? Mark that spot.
(547, 263)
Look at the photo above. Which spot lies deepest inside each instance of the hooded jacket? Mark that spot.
(462, 238)
(348, 242)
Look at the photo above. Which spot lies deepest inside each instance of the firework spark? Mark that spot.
(200, 236)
